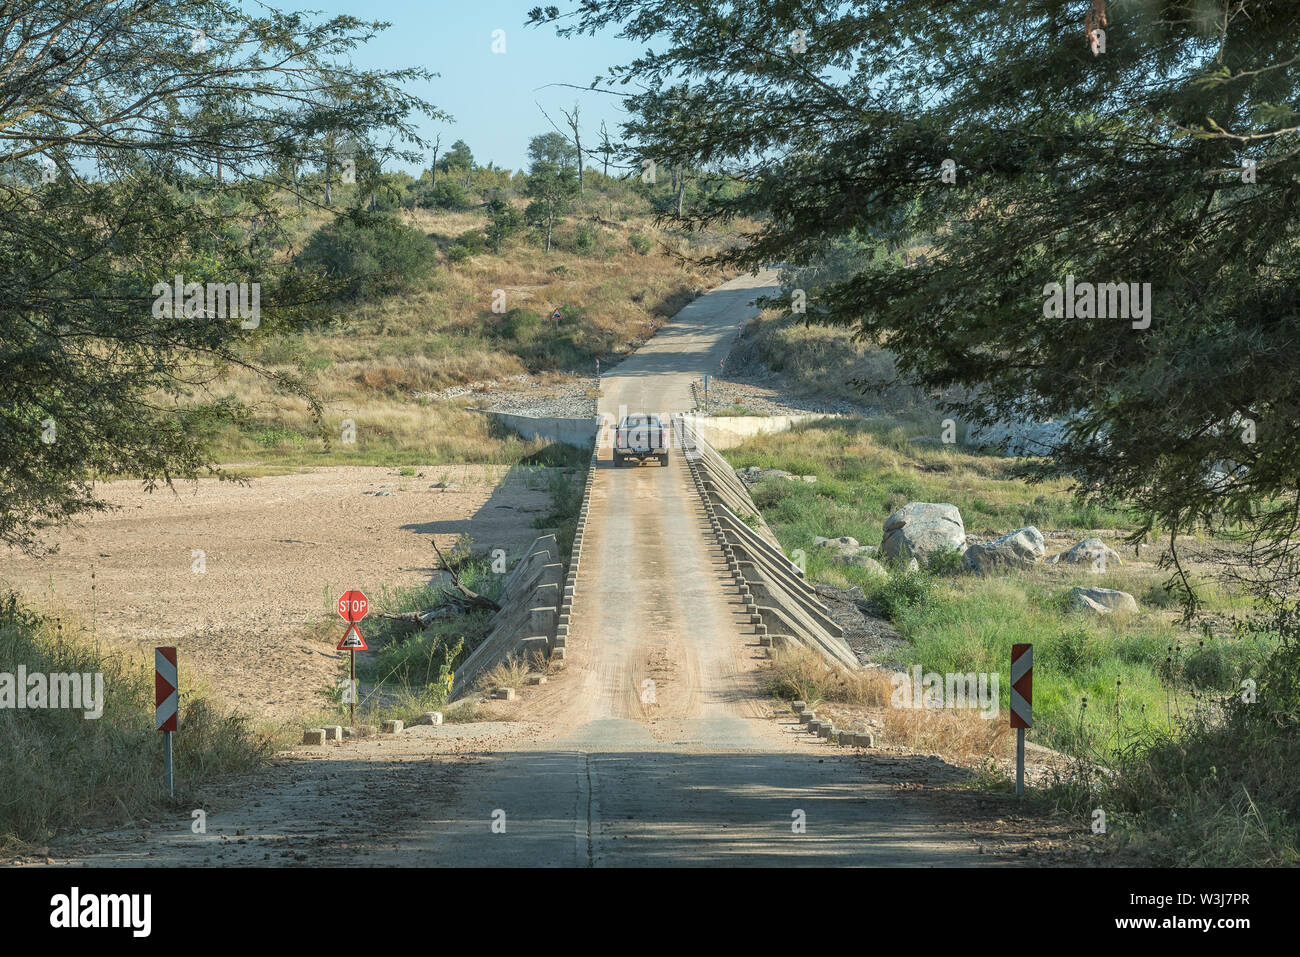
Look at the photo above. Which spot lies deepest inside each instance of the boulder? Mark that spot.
(865, 562)
(1024, 546)
(1103, 601)
(1020, 438)
(753, 475)
(1090, 551)
(919, 529)
(844, 541)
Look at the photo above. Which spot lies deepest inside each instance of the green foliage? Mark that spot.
(552, 189)
(640, 243)
(371, 255)
(1065, 163)
(503, 221)
(155, 178)
(903, 589)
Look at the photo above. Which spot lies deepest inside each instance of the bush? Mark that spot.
(902, 590)
(640, 243)
(520, 323)
(469, 243)
(446, 195)
(369, 255)
(944, 561)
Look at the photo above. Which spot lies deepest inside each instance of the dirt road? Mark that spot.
(654, 746)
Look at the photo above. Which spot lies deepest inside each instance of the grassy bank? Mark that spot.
(385, 361)
(1155, 702)
(62, 771)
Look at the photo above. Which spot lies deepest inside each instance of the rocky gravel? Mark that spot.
(569, 397)
(872, 638)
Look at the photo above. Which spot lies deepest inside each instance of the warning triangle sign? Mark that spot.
(352, 640)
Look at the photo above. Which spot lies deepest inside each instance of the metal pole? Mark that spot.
(167, 763)
(1020, 762)
(352, 690)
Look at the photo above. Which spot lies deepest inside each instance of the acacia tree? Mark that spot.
(552, 189)
(141, 142)
(1024, 147)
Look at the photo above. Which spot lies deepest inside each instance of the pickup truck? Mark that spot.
(640, 437)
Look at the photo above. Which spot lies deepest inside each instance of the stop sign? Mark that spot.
(353, 605)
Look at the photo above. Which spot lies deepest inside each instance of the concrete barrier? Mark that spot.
(529, 613)
(784, 609)
(579, 433)
(728, 431)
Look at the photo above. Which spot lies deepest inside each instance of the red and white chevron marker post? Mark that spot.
(166, 700)
(1022, 704)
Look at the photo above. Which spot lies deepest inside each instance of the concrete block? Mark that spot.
(313, 736)
(504, 694)
(865, 739)
(533, 645)
(431, 717)
(333, 732)
(558, 653)
(806, 716)
(825, 728)
(798, 706)
(561, 641)
(393, 727)
(543, 621)
(535, 680)
(361, 731)
(764, 641)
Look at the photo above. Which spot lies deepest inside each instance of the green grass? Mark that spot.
(959, 622)
(868, 469)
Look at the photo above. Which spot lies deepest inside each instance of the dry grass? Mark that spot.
(383, 362)
(956, 734)
(959, 735)
(802, 675)
(509, 673)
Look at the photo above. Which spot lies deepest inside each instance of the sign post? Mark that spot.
(1022, 700)
(707, 379)
(166, 700)
(353, 606)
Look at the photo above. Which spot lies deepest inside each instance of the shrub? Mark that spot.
(903, 589)
(446, 195)
(369, 255)
(639, 243)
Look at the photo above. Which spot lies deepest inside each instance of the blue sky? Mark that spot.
(492, 97)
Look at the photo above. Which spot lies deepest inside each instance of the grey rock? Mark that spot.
(1024, 546)
(920, 529)
(1090, 551)
(865, 562)
(1102, 600)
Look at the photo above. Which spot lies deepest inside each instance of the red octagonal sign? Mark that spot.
(353, 605)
